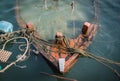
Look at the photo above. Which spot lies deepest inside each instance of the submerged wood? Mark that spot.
(40, 45)
(59, 77)
(54, 51)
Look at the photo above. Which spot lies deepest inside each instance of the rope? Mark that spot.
(100, 59)
(13, 63)
(24, 66)
(43, 44)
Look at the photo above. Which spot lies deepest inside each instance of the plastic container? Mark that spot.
(6, 26)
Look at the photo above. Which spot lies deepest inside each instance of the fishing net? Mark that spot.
(59, 16)
(9, 58)
(52, 16)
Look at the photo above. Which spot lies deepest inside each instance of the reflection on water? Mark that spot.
(58, 18)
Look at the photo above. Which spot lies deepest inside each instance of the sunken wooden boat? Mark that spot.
(60, 52)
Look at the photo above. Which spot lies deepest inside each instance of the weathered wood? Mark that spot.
(4, 55)
(59, 77)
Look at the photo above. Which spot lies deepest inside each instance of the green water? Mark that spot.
(0, 67)
(59, 18)
(55, 18)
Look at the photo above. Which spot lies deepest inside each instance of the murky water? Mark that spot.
(58, 17)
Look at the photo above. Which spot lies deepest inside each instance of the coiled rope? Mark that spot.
(25, 52)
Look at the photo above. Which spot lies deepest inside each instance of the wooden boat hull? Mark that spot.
(54, 60)
(51, 58)
(51, 61)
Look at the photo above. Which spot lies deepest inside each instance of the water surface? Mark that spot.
(58, 18)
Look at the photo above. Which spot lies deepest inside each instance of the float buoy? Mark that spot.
(6, 26)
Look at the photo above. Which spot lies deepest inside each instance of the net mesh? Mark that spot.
(57, 17)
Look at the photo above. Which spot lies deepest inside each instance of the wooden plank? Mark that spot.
(4, 55)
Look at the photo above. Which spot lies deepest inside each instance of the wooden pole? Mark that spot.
(59, 77)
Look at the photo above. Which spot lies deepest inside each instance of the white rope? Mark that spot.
(13, 63)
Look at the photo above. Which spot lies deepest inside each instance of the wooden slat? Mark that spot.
(4, 55)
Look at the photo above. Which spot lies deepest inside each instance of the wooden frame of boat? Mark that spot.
(53, 61)
(64, 61)
(68, 60)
